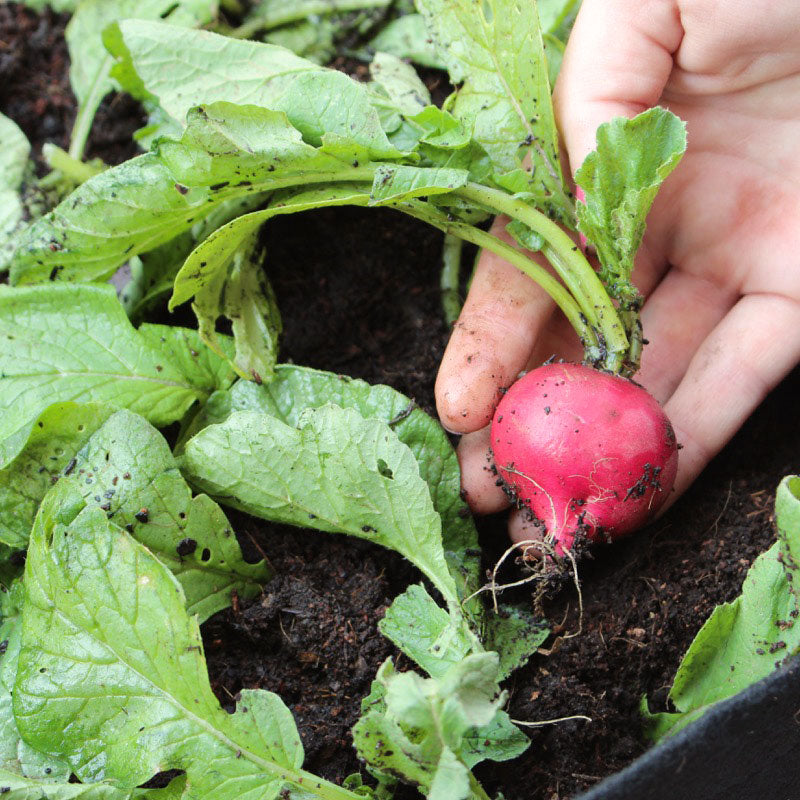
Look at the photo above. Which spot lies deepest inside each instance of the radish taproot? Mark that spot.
(587, 452)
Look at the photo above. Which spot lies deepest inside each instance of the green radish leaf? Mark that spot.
(447, 143)
(315, 40)
(227, 153)
(515, 634)
(152, 275)
(243, 145)
(183, 69)
(16, 756)
(13, 161)
(111, 671)
(74, 343)
(21, 788)
(441, 129)
(127, 470)
(524, 236)
(129, 209)
(425, 730)
(494, 52)
(245, 297)
(499, 740)
(335, 472)
(400, 82)
(207, 267)
(425, 632)
(277, 13)
(743, 641)
(296, 389)
(620, 180)
(203, 368)
(406, 37)
(556, 16)
(25, 773)
(315, 29)
(90, 62)
(394, 184)
(53, 440)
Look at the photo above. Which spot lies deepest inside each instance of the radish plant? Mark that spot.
(239, 132)
(265, 122)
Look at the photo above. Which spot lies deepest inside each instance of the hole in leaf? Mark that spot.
(488, 13)
(385, 470)
(162, 779)
(205, 555)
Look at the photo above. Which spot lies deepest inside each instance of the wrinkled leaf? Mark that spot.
(296, 389)
(407, 37)
(250, 304)
(74, 343)
(394, 184)
(183, 69)
(54, 439)
(276, 13)
(425, 632)
(747, 639)
(494, 52)
(112, 675)
(237, 288)
(13, 160)
(128, 471)
(335, 471)
(426, 731)
(400, 82)
(620, 180)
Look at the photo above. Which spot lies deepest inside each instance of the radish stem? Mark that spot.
(571, 265)
(450, 277)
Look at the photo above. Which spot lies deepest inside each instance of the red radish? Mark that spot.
(586, 451)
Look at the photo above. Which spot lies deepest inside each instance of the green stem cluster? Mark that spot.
(610, 347)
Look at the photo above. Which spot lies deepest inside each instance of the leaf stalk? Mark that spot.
(570, 264)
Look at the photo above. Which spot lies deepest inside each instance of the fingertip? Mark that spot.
(525, 534)
(478, 477)
(469, 386)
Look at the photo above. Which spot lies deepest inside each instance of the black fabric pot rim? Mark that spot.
(743, 748)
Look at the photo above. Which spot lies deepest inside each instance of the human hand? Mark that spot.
(720, 262)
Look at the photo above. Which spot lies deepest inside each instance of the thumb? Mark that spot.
(617, 62)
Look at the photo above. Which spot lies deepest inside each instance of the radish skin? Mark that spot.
(588, 452)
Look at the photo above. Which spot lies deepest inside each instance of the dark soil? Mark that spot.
(35, 90)
(358, 293)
